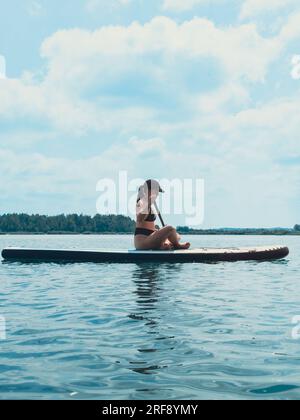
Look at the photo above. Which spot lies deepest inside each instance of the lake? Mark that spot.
(149, 331)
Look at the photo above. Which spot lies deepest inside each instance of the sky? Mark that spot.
(165, 89)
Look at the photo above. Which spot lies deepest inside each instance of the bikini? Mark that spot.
(142, 231)
(146, 232)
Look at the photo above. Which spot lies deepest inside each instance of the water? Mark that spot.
(97, 331)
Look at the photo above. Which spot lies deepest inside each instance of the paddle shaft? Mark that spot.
(159, 214)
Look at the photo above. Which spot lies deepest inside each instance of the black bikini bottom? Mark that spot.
(145, 232)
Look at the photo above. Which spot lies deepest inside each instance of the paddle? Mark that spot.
(159, 214)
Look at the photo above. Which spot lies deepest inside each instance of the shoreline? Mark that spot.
(132, 233)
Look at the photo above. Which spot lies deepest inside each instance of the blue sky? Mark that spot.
(161, 88)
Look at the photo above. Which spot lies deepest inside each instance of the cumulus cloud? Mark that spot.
(123, 77)
(241, 50)
(249, 8)
(117, 76)
(271, 128)
(238, 160)
(62, 179)
(252, 8)
(291, 29)
(249, 148)
(57, 107)
(134, 83)
(147, 147)
(231, 93)
(24, 173)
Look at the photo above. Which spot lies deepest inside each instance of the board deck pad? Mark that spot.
(132, 256)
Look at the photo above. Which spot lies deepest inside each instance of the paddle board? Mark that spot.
(114, 256)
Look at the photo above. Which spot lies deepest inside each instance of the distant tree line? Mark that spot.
(240, 231)
(72, 223)
(76, 224)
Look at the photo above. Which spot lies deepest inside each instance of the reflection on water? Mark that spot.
(148, 279)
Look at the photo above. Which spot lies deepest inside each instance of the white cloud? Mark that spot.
(291, 29)
(112, 50)
(271, 129)
(249, 8)
(239, 161)
(80, 62)
(99, 63)
(147, 147)
(2, 67)
(295, 63)
(62, 179)
(25, 172)
(231, 93)
(183, 5)
(179, 6)
(219, 145)
(248, 150)
(252, 8)
(93, 5)
(97, 83)
(68, 114)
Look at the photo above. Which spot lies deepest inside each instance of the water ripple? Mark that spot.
(90, 331)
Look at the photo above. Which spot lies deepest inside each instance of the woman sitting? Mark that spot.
(147, 237)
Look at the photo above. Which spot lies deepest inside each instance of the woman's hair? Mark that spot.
(141, 192)
(147, 187)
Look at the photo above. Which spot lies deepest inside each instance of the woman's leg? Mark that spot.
(154, 241)
(174, 238)
(158, 238)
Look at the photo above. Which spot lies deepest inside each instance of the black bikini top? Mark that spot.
(151, 217)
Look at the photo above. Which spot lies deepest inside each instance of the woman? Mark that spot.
(146, 235)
